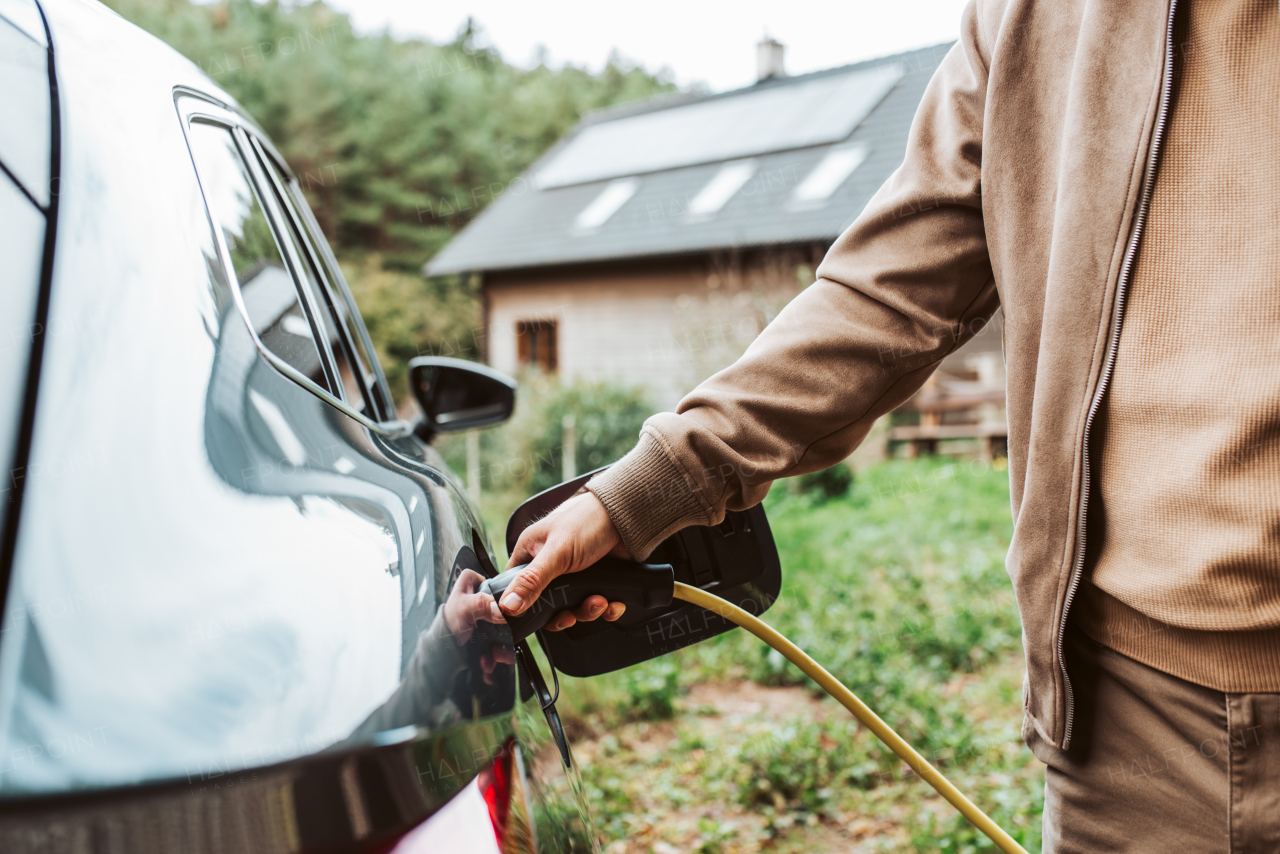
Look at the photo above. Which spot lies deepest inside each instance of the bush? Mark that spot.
(800, 765)
(1013, 802)
(409, 316)
(607, 420)
(560, 826)
(651, 689)
(526, 455)
(826, 484)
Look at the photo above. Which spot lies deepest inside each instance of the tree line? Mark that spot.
(397, 142)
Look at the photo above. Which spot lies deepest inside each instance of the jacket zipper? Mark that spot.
(1108, 368)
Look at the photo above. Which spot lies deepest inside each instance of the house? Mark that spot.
(653, 242)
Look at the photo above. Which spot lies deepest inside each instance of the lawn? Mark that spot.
(899, 589)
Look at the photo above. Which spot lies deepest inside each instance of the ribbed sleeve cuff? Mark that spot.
(648, 497)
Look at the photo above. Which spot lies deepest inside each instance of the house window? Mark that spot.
(828, 175)
(721, 188)
(536, 344)
(614, 195)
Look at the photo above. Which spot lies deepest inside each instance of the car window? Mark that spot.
(336, 294)
(345, 306)
(349, 316)
(354, 379)
(270, 296)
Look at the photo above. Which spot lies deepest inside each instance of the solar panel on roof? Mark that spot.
(776, 118)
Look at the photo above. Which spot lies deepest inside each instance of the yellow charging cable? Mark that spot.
(860, 710)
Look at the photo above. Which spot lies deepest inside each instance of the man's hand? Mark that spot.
(572, 537)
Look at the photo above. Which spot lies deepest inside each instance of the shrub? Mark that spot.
(800, 765)
(411, 316)
(526, 455)
(607, 420)
(560, 827)
(1013, 802)
(651, 689)
(826, 484)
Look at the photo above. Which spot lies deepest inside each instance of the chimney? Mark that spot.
(769, 59)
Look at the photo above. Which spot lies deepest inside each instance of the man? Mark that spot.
(1109, 173)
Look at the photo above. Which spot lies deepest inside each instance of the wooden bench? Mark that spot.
(933, 401)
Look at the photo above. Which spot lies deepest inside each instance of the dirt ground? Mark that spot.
(720, 825)
(675, 805)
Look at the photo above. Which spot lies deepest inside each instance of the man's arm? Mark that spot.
(904, 286)
(907, 283)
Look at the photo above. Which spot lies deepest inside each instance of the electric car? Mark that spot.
(235, 582)
(243, 599)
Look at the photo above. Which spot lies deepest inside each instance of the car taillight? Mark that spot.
(459, 826)
(495, 785)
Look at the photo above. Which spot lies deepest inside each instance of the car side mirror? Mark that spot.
(737, 560)
(458, 395)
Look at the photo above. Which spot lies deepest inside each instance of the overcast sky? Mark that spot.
(698, 40)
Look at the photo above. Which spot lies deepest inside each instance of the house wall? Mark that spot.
(669, 325)
(663, 325)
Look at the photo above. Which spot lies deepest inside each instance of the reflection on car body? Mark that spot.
(272, 645)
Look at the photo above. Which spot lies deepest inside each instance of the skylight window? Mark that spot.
(721, 188)
(828, 175)
(615, 194)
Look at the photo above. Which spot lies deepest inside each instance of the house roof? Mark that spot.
(786, 161)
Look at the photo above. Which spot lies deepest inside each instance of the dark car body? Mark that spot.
(224, 557)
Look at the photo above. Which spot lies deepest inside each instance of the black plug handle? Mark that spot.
(637, 585)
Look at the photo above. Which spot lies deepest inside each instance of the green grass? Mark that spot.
(899, 589)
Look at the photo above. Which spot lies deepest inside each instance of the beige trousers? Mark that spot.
(1158, 764)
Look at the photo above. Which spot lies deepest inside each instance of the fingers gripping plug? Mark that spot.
(637, 585)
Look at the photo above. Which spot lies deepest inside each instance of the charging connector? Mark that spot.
(636, 585)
